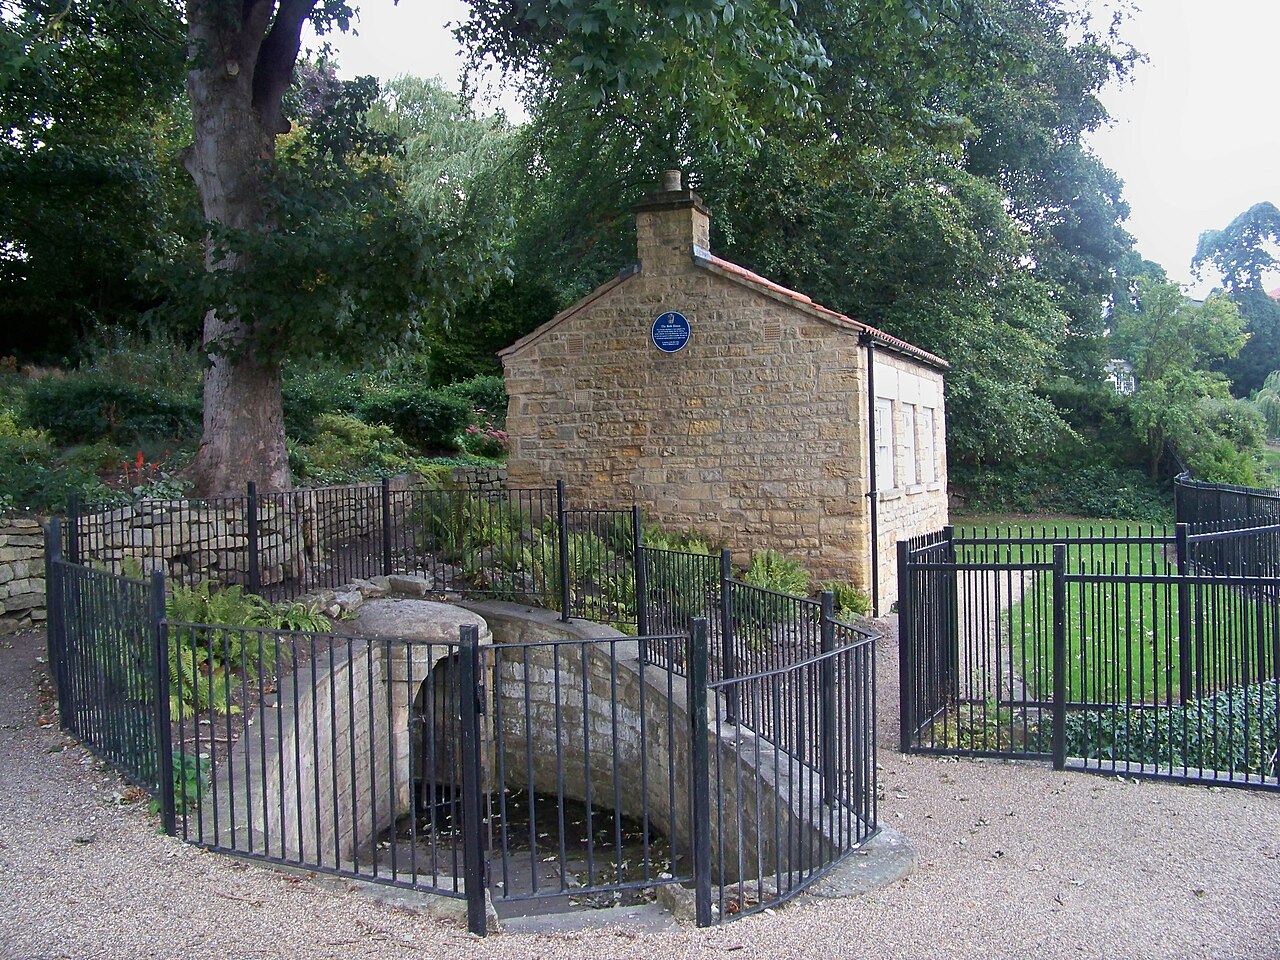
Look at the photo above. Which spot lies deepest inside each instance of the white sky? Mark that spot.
(1196, 138)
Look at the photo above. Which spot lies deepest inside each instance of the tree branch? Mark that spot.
(276, 59)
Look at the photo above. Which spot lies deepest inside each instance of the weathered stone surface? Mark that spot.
(23, 601)
(349, 601)
(412, 619)
(370, 590)
(408, 586)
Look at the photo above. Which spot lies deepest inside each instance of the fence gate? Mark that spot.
(1140, 652)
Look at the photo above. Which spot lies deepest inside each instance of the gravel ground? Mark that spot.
(1015, 861)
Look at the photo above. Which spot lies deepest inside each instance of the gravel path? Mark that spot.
(1015, 861)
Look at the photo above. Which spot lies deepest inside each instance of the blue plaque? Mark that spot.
(670, 332)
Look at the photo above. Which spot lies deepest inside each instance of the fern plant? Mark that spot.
(222, 640)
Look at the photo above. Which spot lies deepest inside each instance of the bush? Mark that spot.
(156, 358)
(1234, 729)
(308, 394)
(428, 418)
(29, 475)
(207, 665)
(486, 395)
(850, 602)
(1080, 489)
(485, 441)
(1221, 443)
(775, 571)
(83, 408)
(346, 449)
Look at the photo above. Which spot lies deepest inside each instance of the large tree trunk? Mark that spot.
(242, 58)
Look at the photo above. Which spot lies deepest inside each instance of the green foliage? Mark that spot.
(481, 326)
(30, 474)
(190, 781)
(1083, 489)
(487, 396)
(344, 449)
(313, 390)
(1221, 441)
(83, 408)
(851, 602)
(427, 417)
(1249, 368)
(683, 541)
(485, 440)
(1170, 340)
(90, 99)
(207, 664)
(1233, 730)
(777, 572)
(1267, 403)
(1242, 251)
(615, 55)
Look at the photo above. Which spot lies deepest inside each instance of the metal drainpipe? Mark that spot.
(869, 343)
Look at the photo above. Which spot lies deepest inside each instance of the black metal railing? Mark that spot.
(110, 663)
(575, 768)
(803, 747)
(1109, 650)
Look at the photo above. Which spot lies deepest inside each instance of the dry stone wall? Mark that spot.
(21, 574)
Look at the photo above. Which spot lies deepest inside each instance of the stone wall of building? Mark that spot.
(755, 434)
(750, 435)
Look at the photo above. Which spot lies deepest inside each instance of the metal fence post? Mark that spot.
(73, 529)
(906, 649)
(255, 578)
(827, 682)
(474, 881)
(700, 772)
(386, 526)
(163, 720)
(55, 638)
(641, 576)
(562, 522)
(1059, 656)
(951, 608)
(728, 669)
(1186, 668)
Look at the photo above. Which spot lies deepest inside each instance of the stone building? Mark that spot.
(725, 403)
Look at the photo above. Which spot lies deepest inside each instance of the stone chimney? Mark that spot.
(669, 224)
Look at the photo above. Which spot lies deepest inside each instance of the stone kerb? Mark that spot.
(22, 586)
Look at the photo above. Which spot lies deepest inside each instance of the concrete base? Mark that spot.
(884, 859)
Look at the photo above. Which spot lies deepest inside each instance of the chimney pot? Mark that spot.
(671, 181)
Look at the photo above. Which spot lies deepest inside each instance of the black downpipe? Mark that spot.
(872, 493)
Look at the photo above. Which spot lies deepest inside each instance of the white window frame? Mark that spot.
(885, 468)
(910, 469)
(926, 423)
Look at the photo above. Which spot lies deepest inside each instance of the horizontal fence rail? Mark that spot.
(1111, 651)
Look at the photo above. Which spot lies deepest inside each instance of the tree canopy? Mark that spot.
(917, 164)
(1243, 253)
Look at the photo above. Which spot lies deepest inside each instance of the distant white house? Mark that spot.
(1120, 375)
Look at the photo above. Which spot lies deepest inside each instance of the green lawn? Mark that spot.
(1123, 638)
(1270, 465)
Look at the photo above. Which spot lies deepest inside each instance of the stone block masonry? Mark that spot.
(22, 584)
